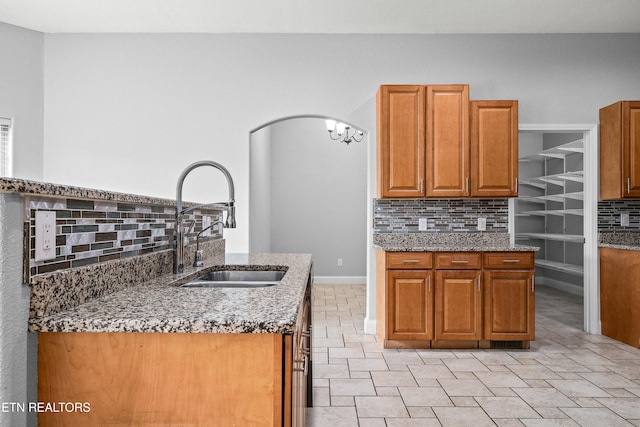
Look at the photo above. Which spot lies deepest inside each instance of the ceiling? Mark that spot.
(324, 16)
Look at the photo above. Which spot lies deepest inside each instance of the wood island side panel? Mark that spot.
(162, 379)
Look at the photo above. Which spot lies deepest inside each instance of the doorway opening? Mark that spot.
(308, 194)
(557, 211)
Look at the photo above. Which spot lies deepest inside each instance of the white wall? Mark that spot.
(123, 106)
(21, 96)
(260, 193)
(318, 198)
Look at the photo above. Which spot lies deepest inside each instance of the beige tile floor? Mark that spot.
(567, 378)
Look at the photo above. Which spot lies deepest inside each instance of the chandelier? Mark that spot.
(343, 132)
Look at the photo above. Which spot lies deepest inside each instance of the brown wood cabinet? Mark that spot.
(430, 144)
(460, 300)
(401, 141)
(620, 150)
(620, 295)
(405, 298)
(494, 148)
(144, 379)
(448, 140)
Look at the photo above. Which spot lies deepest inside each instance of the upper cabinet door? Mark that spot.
(620, 150)
(401, 141)
(448, 141)
(494, 148)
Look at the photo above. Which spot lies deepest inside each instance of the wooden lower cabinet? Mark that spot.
(458, 306)
(176, 379)
(410, 302)
(455, 299)
(620, 295)
(509, 305)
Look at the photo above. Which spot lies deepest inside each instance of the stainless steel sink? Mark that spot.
(237, 279)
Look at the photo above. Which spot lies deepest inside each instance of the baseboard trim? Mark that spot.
(339, 280)
(369, 326)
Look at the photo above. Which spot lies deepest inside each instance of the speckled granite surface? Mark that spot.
(628, 241)
(159, 305)
(65, 289)
(23, 186)
(446, 242)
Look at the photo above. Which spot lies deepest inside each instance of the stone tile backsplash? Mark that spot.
(609, 216)
(94, 231)
(442, 215)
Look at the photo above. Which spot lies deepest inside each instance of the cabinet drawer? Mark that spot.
(458, 260)
(409, 260)
(509, 260)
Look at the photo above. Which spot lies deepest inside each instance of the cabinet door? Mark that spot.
(458, 305)
(509, 305)
(401, 141)
(620, 150)
(494, 148)
(631, 147)
(410, 305)
(448, 141)
(620, 295)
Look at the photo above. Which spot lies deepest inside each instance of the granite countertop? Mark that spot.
(448, 242)
(627, 241)
(159, 305)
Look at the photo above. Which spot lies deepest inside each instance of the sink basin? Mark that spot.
(237, 279)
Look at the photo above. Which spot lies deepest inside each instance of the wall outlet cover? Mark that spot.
(422, 224)
(482, 224)
(624, 219)
(45, 235)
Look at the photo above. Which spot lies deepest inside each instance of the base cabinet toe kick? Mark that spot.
(455, 299)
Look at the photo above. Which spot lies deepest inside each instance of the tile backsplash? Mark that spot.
(609, 216)
(94, 231)
(442, 215)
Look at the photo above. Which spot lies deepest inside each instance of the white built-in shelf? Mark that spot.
(573, 238)
(554, 212)
(558, 179)
(560, 266)
(560, 197)
(559, 152)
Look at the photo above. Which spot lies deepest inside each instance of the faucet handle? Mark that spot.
(198, 260)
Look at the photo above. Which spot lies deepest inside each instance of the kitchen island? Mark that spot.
(118, 341)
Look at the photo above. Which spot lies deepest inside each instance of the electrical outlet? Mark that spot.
(624, 219)
(339, 262)
(482, 223)
(45, 235)
(422, 224)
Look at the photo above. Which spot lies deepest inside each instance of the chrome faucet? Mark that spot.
(178, 259)
(197, 261)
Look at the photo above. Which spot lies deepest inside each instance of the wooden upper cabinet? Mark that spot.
(620, 150)
(401, 141)
(448, 140)
(494, 148)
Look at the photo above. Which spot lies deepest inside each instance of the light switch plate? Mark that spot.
(45, 235)
(624, 219)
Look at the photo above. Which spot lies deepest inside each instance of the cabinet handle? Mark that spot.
(510, 260)
(628, 185)
(466, 186)
(516, 184)
(306, 365)
(460, 261)
(429, 283)
(478, 283)
(533, 283)
(410, 261)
